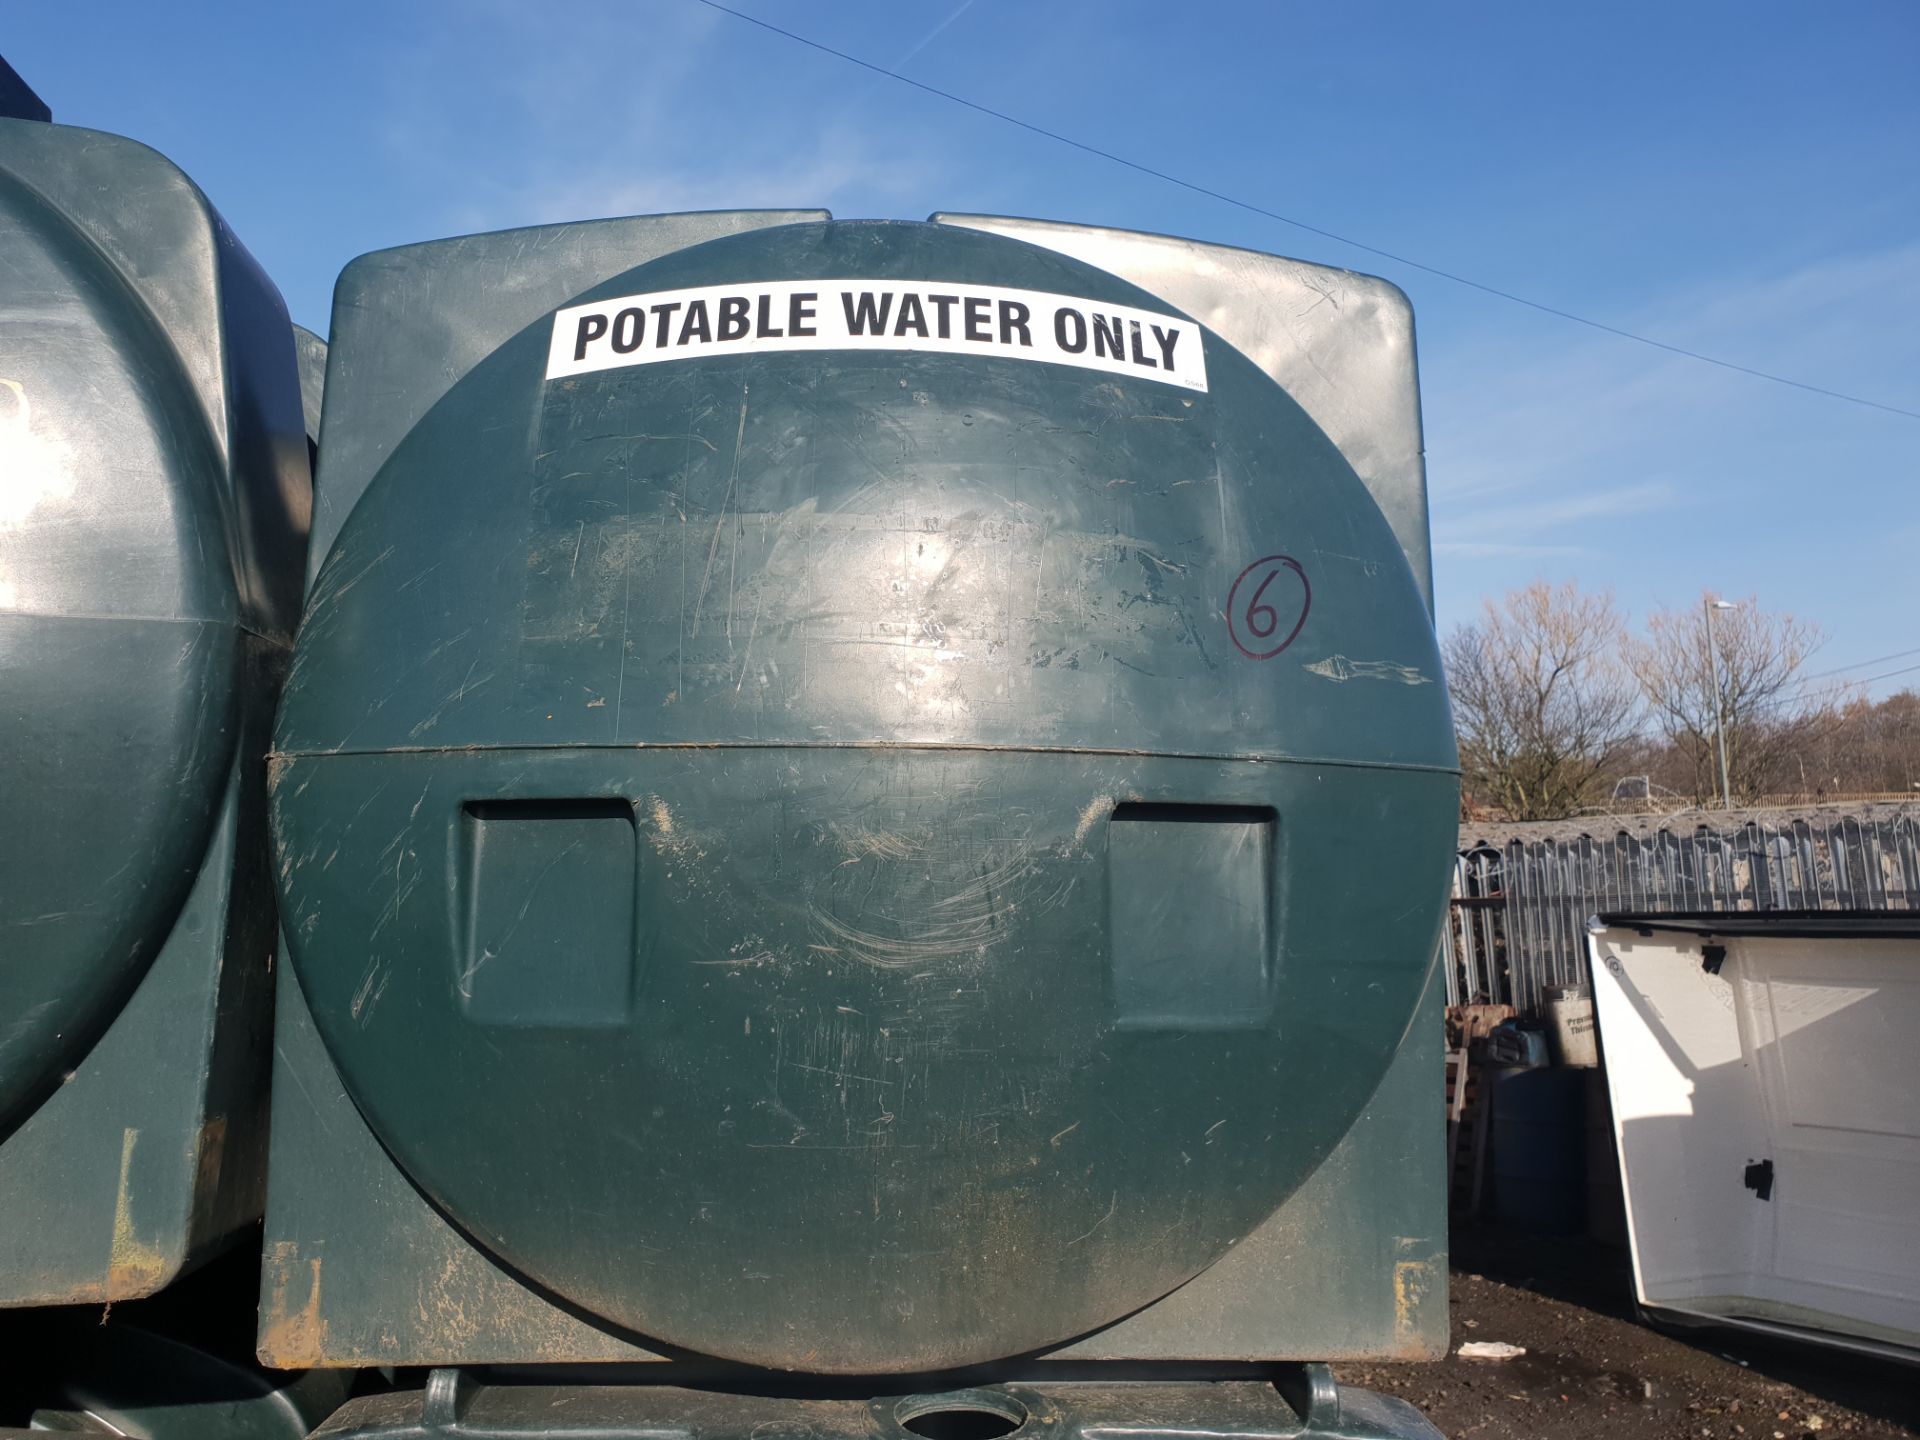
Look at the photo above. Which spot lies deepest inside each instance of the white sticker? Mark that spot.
(876, 315)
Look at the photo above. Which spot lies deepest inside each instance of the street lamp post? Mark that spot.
(1709, 604)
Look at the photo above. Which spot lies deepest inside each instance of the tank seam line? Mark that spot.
(960, 746)
(283, 641)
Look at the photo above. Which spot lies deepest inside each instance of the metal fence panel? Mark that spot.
(1519, 918)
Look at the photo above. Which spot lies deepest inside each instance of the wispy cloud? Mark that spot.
(622, 119)
(933, 34)
(1493, 550)
(1521, 528)
(1533, 403)
(1520, 518)
(1553, 453)
(831, 166)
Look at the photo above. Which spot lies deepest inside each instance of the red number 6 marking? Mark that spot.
(1262, 620)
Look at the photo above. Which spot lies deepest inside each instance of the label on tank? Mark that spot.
(876, 315)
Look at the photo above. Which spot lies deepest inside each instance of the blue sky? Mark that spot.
(1742, 179)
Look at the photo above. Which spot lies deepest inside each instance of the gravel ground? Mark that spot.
(1593, 1369)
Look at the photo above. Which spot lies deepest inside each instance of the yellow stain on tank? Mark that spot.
(133, 1269)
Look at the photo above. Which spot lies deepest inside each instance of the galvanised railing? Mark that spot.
(1520, 910)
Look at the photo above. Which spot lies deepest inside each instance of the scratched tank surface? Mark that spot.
(869, 850)
(154, 498)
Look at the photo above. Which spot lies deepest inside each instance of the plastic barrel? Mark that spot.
(1539, 1139)
(1570, 1025)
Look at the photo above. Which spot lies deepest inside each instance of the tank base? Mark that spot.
(78, 1375)
(1297, 1400)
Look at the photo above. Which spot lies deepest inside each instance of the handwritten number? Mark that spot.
(1254, 628)
(1263, 620)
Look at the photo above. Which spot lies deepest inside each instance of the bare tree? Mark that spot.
(1543, 705)
(1748, 684)
(1868, 747)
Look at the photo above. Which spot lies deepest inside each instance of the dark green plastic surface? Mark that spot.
(310, 354)
(785, 851)
(362, 1271)
(153, 512)
(17, 100)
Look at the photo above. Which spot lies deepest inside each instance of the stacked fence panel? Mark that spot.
(1520, 911)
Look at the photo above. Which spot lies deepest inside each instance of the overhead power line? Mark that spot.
(1887, 674)
(1261, 210)
(1792, 698)
(1860, 665)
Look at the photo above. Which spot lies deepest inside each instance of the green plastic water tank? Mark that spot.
(310, 354)
(861, 797)
(154, 504)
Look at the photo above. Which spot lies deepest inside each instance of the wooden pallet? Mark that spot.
(1468, 1023)
(1468, 1118)
(1457, 1072)
(1467, 1127)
